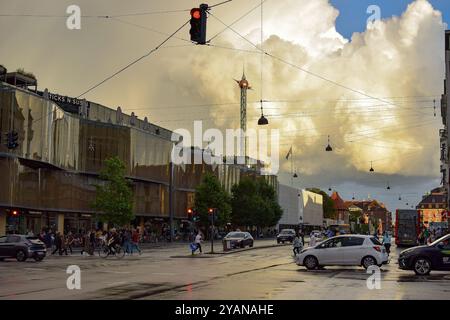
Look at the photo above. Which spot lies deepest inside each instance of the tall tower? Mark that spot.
(244, 86)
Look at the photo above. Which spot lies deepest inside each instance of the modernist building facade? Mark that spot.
(49, 179)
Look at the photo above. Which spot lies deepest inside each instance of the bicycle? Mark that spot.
(105, 251)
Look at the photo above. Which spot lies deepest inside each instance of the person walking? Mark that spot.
(302, 236)
(63, 245)
(298, 245)
(312, 240)
(198, 243)
(135, 237)
(58, 243)
(387, 242)
(69, 242)
(127, 241)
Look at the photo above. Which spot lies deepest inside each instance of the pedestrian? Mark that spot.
(135, 237)
(58, 243)
(302, 236)
(198, 243)
(127, 241)
(63, 248)
(387, 242)
(69, 242)
(298, 245)
(312, 240)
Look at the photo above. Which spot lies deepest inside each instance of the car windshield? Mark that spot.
(446, 237)
(287, 232)
(236, 235)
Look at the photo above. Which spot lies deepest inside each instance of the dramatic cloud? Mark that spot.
(398, 60)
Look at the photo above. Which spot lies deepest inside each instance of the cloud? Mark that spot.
(395, 59)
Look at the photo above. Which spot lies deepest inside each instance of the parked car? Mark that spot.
(286, 235)
(239, 239)
(347, 250)
(423, 259)
(22, 247)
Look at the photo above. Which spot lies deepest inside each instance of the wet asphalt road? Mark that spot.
(172, 273)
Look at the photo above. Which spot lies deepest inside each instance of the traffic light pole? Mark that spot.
(212, 231)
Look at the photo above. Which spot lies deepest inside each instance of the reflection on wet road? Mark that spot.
(170, 273)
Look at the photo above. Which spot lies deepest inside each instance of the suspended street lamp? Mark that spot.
(371, 167)
(263, 120)
(328, 148)
(399, 197)
(388, 187)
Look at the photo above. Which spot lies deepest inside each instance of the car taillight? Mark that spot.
(377, 249)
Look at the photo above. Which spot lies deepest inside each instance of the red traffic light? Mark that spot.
(195, 13)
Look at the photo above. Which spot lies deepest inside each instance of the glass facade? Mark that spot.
(60, 153)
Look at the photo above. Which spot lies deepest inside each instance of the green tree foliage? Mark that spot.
(254, 203)
(328, 204)
(211, 194)
(114, 197)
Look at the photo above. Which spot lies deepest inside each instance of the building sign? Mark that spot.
(64, 99)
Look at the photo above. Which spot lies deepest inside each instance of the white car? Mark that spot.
(347, 250)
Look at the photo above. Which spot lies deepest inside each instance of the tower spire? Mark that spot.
(244, 86)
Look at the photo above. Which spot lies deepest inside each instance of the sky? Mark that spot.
(388, 74)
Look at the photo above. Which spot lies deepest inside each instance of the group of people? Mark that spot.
(427, 236)
(58, 242)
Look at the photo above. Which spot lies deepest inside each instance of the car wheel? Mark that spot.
(368, 261)
(282, 242)
(422, 266)
(38, 258)
(21, 256)
(310, 262)
(251, 244)
(242, 245)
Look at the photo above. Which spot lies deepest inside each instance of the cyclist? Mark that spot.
(113, 240)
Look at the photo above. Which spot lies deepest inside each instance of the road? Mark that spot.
(170, 272)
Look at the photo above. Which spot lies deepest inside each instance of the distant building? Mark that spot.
(433, 206)
(340, 209)
(372, 212)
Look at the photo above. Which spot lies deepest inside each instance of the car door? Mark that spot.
(444, 254)
(331, 252)
(352, 250)
(3, 247)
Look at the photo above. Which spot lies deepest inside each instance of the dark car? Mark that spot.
(239, 239)
(286, 235)
(423, 259)
(22, 247)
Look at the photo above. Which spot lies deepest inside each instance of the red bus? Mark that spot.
(407, 227)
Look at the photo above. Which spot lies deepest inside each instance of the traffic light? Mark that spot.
(11, 140)
(198, 24)
(192, 215)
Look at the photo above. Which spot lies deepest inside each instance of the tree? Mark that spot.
(114, 197)
(211, 194)
(254, 203)
(328, 205)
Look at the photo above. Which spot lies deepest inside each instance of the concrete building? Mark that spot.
(301, 208)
